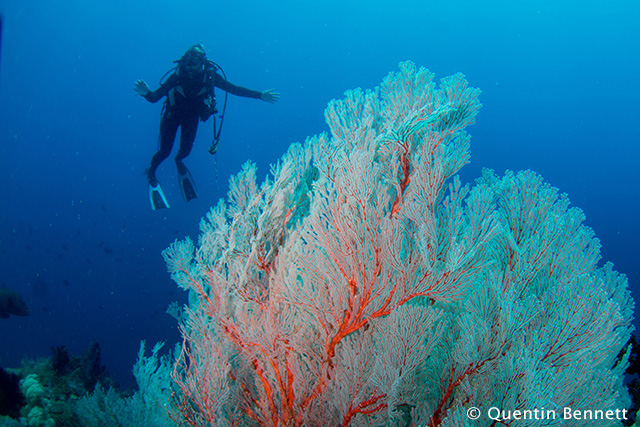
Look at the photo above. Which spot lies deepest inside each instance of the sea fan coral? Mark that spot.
(363, 284)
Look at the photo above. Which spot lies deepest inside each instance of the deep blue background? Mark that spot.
(77, 236)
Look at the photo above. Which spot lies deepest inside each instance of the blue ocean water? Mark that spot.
(78, 239)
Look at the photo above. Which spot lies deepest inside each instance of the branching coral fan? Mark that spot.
(363, 284)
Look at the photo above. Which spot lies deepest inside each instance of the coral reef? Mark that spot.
(53, 392)
(50, 388)
(36, 410)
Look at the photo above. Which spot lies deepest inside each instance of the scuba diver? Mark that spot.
(190, 97)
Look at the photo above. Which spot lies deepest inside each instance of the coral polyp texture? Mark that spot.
(363, 284)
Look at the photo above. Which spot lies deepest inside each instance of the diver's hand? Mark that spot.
(270, 96)
(141, 88)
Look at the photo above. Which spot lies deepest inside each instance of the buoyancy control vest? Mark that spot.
(193, 91)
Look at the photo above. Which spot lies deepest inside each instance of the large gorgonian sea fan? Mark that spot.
(363, 284)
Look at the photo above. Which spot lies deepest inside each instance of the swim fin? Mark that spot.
(186, 184)
(156, 197)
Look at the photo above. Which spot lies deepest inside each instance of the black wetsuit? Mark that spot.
(189, 99)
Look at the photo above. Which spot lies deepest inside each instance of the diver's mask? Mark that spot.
(193, 62)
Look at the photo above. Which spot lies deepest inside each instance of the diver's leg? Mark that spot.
(187, 137)
(168, 129)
